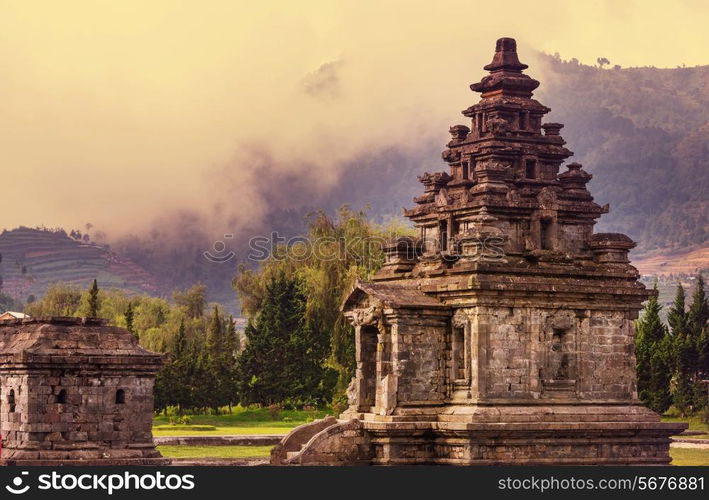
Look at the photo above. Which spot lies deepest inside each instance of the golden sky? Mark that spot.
(116, 111)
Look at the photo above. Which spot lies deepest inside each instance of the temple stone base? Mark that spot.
(75, 454)
(116, 462)
(511, 435)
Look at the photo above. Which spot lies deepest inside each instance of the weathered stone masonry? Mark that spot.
(503, 334)
(74, 391)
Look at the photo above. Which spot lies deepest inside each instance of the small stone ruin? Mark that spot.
(75, 391)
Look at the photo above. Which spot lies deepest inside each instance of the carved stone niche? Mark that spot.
(559, 368)
(459, 345)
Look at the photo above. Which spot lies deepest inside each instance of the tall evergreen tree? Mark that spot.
(231, 350)
(94, 304)
(653, 357)
(689, 394)
(215, 330)
(180, 340)
(677, 314)
(279, 364)
(699, 309)
(697, 318)
(129, 316)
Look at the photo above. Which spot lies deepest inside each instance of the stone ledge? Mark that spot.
(243, 440)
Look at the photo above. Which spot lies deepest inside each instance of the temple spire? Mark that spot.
(505, 58)
(506, 75)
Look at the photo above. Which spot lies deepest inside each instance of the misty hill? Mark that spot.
(642, 132)
(32, 259)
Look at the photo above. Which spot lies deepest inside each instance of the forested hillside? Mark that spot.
(643, 133)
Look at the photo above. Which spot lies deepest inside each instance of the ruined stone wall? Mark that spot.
(608, 357)
(419, 357)
(62, 410)
(530, 352)
(503, 337)
(573, 237)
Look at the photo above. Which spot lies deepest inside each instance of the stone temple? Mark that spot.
(503, 334)
(74, 391)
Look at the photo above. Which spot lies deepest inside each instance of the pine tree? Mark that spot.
(699, 309)
(231, 350)
(279, 363)
(677, 314)
(231, 338)
(697, 318)
(180, 340)
(689, 393)
(219, 361)
(652, 351)
(129, 316)
(94, 303)
(215, 330)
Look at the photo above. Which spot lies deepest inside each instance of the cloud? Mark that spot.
(324, 82)
(124, 113)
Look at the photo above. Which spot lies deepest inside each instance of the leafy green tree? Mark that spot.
(215, 334)
(60, 299)
(653, 357)
(336, 252)
(187, 381)
(218, 361)
(192, 300)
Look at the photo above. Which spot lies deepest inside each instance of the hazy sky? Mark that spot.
(118, 112)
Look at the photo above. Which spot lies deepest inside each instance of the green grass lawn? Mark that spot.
(680, 456)
(689, 456)
(696, 423)
(243, 421)
(215, 451)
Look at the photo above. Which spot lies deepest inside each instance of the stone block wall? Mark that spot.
(61, 410)
(418, 350)
(608, 360)
(533, 352)
(503, 337)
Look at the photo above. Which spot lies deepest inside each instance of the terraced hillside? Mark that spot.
(32, 259)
